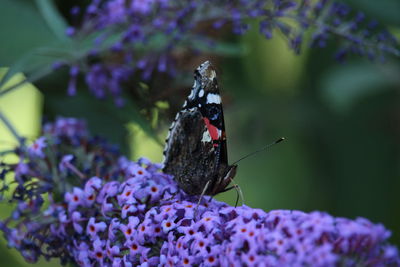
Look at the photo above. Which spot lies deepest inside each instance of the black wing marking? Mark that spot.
(191, 158)
(206, 97)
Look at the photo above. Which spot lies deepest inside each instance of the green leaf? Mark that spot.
(221, 48)
(162, 104)
(343, 85)
(130, 113)
(29, 44)
(386, 11)
(35, 65)
(53, 18)
(104, 118)
(22, 29)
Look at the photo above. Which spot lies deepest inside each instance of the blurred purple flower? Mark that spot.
(21, 169)
(65, 162)
(70, 31)
(36, 149)
(71, 128)
(73, 73)
(151, 36)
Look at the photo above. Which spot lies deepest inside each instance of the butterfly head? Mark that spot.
(204, 81)
(206, 72)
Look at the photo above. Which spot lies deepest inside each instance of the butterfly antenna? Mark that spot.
(261, 149)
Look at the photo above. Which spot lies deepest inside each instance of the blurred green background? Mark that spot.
(341, 121)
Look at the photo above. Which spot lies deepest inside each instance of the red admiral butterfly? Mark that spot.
(196, 151)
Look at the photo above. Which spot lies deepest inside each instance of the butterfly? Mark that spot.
(196, 151)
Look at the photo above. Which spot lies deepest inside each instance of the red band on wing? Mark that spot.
(212, 130)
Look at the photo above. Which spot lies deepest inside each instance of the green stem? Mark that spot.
(342, 33)
(5, 152)
(11, 128)
(31, 78)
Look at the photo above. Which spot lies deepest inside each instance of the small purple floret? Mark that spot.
(36, 149)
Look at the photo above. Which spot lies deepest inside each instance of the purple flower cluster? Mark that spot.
(147, 221)
(143, 39)
(359, 35)
(104, 210)
(66, 127)
(65, 156)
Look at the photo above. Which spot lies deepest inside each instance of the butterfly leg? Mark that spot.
(171, 197)
(239, 193)
(201, 196)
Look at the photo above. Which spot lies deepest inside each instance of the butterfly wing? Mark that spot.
(190, 156)
(196, 150)
(205, 96)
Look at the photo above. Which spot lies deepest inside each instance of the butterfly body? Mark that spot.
(196, 150)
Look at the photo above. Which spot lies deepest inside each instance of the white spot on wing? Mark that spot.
(206, 137)
(191, 96)
(213, 99)
(201, 93)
